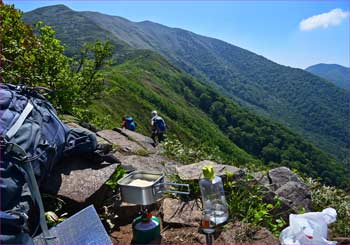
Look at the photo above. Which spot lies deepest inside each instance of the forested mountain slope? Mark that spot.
(339, 75)
(296, 98)
(140, 81)
(198, 115)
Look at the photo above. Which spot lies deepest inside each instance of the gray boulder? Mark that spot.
(79, 179)
(292, 190)
(280, 176)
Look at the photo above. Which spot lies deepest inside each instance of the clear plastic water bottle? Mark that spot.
(213, 196)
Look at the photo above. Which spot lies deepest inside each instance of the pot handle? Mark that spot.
(160, 188)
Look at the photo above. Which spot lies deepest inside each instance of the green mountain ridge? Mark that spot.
(337, 74)
(299, 100)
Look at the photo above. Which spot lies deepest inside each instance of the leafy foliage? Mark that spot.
(246, 202)
(38, 60)
(117, 175)
(56, 209)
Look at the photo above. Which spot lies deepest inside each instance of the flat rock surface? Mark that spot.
(177, 212)
(232, 233)
(240, 233)
(152, 163)
(144, 141)
(194, 171)
(121, 141)
(183, 235)
(78, 178)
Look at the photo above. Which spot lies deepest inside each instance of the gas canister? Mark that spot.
(145, 228)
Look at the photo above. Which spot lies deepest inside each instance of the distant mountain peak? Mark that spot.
(51, 8)
(335, 73)
(329, 65)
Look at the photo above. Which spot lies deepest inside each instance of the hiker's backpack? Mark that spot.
(32, 140)
(130, 124)
(160, 124)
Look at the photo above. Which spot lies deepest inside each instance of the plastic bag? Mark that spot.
(309, 228)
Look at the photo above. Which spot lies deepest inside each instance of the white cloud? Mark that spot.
(325, 20)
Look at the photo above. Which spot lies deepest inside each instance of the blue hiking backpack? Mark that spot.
(130, 124)
(160, 124)
(32, 140)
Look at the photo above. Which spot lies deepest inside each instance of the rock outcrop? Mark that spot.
(287, 185)
(121, 142)
(81, 178)
(144, 141)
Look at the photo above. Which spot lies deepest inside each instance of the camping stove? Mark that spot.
(144, 188)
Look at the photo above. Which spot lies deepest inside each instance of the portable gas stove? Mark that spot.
(144, 188)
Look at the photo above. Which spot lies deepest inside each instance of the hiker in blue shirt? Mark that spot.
(128, 123)
(158, 127)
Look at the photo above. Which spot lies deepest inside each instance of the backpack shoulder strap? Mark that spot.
(19, 157)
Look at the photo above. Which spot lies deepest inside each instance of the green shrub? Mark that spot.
(246, 203)
(176, 150)
(117, 175)
(327, 196)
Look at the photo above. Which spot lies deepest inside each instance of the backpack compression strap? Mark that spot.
(13, 130)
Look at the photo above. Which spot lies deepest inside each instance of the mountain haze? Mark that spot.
(339, 75)
(312, 106)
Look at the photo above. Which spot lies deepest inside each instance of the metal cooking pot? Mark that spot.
(149, 194)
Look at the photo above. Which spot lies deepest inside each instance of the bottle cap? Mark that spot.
(208, 172)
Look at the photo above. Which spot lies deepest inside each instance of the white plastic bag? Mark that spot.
(309, 228)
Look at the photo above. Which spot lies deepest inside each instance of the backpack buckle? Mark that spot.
(14, 152)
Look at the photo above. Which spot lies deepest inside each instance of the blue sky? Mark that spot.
(268, 28)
